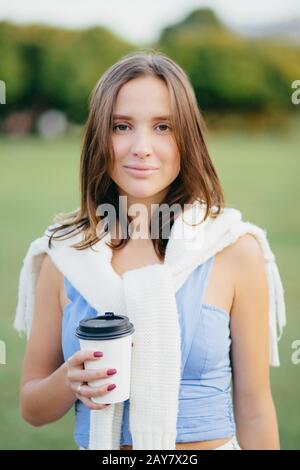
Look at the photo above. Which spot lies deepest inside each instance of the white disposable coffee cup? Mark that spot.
(111, 334)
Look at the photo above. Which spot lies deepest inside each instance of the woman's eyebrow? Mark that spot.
(130, 118)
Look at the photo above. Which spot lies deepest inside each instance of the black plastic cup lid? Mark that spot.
(102, 327)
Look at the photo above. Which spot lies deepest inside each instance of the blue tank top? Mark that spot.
(205, 409)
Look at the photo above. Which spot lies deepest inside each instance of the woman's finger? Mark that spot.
(81, 356)
(91, 405)
(87, 375)
(88, 392)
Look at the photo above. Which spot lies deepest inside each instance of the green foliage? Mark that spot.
(200, 20)
(47, 67)
(13, 69)
(231, 73)
(73, 64)
(228, 72)
(52, 67)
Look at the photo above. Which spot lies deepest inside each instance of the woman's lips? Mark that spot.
(136, 172)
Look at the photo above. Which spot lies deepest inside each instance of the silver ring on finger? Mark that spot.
(78, 388)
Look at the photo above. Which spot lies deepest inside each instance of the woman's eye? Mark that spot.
(164, 125)
(120, 125)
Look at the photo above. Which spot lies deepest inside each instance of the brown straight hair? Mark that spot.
(197, 179)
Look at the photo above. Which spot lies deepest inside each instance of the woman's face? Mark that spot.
(142, 136)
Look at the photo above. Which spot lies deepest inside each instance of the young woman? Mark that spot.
(144, 141)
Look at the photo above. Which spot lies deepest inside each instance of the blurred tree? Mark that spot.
(201, 20)
(46, 67)
(13, 68)
(228, 72)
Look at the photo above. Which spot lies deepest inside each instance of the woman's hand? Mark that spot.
(77, 374)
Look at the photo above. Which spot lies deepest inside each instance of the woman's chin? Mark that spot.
(139, 194)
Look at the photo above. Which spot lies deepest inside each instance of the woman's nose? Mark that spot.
(141, 145)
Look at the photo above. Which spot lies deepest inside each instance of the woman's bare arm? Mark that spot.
(45, 394)
(254, 409)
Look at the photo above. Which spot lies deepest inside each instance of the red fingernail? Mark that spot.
(111, 387)
(98, 354)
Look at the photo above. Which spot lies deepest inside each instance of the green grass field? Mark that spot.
(259, 173)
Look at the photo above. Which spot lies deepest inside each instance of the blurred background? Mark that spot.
(244, 65)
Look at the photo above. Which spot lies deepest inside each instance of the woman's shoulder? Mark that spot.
(246, 263)
(52, 276)
(241, 256)
(246, 249)
(48, 266)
